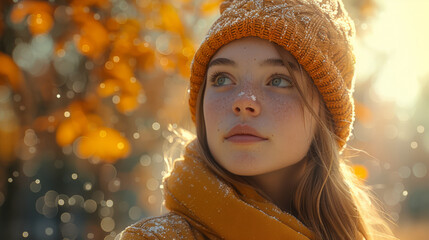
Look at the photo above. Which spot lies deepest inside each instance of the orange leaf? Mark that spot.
(82, 9)
(94, 39)
(104, 143)
(127, 103)
(363, 113)
(112, 25)
(131, 87)
(40, 23)
(22, 9)
(81, 14)
(123, 45)
(9, 140)
(146, 57)
(11, 71)
(360, 171)
(108, 87)
(184, 66)
(67, 132)
(120, 70)
(87, 3)
(85, 46)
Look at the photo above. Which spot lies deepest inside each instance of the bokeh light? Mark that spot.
(92, 93)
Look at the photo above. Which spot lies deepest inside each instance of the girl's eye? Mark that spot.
(280, 82)
(219, 79)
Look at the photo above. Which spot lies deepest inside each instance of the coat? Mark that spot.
(204, 206)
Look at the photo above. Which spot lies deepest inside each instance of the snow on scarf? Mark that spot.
(219, 210)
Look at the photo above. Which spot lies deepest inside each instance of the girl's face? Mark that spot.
(248, 86)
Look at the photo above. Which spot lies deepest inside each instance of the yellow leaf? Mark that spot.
(67, 132)
(360, 171)
(170, 19)
(209, 7)
(10, 71)
(363, 113)
(120, 70)
(108, 87)
(131, 87)
(104, 143)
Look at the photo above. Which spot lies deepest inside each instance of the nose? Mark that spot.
(247, 106)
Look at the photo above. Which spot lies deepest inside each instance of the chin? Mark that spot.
(241, 172)
(243, 169)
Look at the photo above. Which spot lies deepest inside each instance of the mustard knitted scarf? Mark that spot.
(219, 210)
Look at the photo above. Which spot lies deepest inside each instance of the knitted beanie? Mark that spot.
(318, 33)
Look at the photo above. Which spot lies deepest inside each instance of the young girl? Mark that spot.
(271, 95)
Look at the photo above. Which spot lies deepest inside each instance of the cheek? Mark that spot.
(214, 106)
(215, 110)
(289, 117)
(285, 109)
(292, 133)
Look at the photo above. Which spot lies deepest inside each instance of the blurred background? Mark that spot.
(92, 91)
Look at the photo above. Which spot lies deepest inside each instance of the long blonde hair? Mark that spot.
(329, 199)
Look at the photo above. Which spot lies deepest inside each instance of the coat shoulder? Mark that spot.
(168, 226)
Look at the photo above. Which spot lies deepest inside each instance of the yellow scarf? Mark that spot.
(218, 210)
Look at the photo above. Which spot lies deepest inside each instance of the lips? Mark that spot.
(244, 133)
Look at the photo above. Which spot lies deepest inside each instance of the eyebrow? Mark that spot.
(278, 62)
(267, 62)
(222, 61)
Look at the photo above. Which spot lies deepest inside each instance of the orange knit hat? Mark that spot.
(318, 33)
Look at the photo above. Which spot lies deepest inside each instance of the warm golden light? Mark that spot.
(395, 50)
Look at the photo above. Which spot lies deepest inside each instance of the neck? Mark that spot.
(280, 185)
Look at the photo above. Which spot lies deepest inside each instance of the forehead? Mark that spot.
(250, 50)
(242, 49)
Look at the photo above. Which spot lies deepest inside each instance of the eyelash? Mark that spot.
(214, 76)
(282, 76)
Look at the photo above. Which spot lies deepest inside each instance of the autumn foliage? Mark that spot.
(113, 43)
